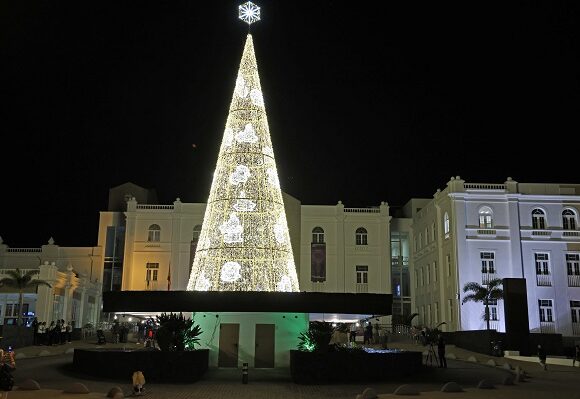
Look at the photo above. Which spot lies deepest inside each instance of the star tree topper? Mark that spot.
(249, 13)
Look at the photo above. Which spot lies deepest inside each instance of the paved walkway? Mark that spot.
(54, 372)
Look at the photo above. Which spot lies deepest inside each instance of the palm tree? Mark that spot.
(484, 293)
(22, 281)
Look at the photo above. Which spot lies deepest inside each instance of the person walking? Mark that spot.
(576, 357)
(542, 356)
(368, 337)
(441, 351)
(35, 325)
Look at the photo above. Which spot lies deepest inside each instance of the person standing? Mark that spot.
(542, 356)
(441, 351)
(368, 337)
(42, 333)
(35, 325)
(576, 356)
(353, 331)
(377, 335)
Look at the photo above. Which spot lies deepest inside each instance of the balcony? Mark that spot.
(487, 277)
(541, 233)
(572, 234)
(486, 232)
(362, 288)
(575, 328)
(548, 327)
(318, 286)
(493, 325)
(574, 280)
(544, 280)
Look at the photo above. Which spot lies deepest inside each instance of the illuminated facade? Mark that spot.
(477, 232)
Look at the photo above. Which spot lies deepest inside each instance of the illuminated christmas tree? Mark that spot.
(244, 243)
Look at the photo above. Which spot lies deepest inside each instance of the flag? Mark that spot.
(169, 278)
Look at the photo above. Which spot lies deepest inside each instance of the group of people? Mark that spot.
(369, 337)
(56, 333)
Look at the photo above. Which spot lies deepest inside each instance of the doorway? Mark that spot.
(228, 349)
(265, 344)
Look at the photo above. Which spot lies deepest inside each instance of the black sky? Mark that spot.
(366, 101)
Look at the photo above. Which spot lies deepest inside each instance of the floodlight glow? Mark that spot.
(249, 13)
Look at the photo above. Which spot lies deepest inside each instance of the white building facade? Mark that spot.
(472, 232)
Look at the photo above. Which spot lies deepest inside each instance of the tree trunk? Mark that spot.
(487, 315)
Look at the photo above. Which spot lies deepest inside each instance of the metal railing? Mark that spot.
(571, 234)
(23, 249)
(544, 280)
(487, 277)
(575, 328)
(541, 233)
(574, 280)
(547, 327)
(486, 232)
(362, 288)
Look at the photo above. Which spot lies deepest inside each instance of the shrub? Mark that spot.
(317, 338)
(176, 333)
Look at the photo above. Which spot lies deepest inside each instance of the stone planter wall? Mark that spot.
(156, 365)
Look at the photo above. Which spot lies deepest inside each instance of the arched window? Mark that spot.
(361, 236)
(317, 235)
(196, 232)
(154, 233)
(485, 217)
(538, 219)
(446, 225)
(569, 219)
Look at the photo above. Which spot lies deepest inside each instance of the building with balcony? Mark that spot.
(473, 232)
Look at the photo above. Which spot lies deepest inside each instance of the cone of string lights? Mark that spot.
(244, 244)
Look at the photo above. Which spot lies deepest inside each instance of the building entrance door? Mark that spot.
(265, 344)
(229, 338)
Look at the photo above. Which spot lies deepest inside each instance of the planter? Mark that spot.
(352, 366)
(158, 366)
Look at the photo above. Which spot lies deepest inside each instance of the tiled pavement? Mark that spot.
(56, 372)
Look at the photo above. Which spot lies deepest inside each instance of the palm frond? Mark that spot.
(9, 282)
(494, 283)
(496, 294)
(470, 297)
(473, 286)
(15, 274)
(37, 283)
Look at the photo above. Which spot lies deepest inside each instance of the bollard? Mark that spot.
(245, 373)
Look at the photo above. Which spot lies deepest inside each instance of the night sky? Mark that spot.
(366, 101)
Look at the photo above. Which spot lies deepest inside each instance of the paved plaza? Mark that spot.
(54, 372)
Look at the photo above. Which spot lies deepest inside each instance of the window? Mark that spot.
(420, 240)
(546, 313)
(154, 233)
(487, 262)
(429, 314)
(362, 274)
(573, 264)
(435, 271)
(569, 219)
(448, 262)
(436, 312)
(575, 310)
(485, 218)
(492, 304)
(446, 225)
(361, 236)
(432, 232)
(421, 276)
(426, 236)
(538, 219)
(317, 235)
(428, 274)
(152, 272)
(542, 264)
(450, 303)
(196, 233)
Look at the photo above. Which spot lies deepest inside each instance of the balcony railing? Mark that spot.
(493, 325)
(24, 250)
(487, 277)
(362, 288)
(541, 233)
(362, 210)
(574, 280)
(486, 232)
(575, 328)
(318, 286)
(154, 207)
(395, 261)
(544, 280)
(571, 234)
(548, 327)
(484, 186)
